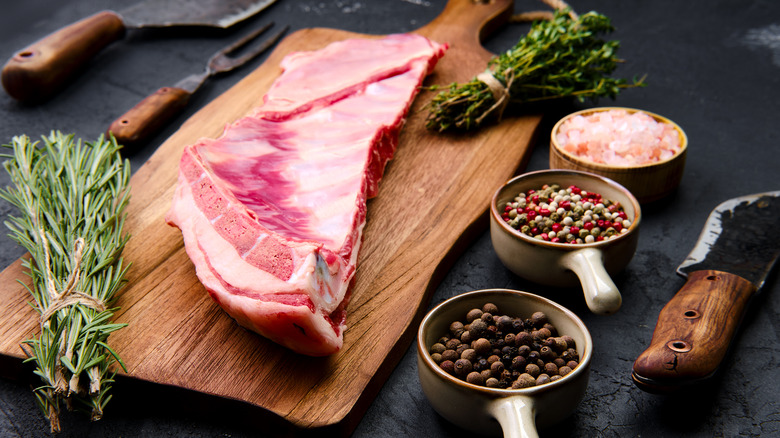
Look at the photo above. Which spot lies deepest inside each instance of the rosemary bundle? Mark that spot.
(561, 57)
(71, 197)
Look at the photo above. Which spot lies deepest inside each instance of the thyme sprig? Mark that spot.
(71, 196)
(561, 57)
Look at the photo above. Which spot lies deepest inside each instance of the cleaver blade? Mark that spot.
(40, 70)
(736, 251)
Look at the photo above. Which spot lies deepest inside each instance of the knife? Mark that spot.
(735, 253)
(38, 71)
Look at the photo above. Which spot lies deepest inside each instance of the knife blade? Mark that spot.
(38, 71)
(736, 251)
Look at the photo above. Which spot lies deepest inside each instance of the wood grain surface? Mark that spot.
(431, 203)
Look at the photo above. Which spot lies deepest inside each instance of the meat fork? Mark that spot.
(148, 116)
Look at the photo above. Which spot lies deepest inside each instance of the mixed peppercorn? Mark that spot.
(500, 351)
(570, 215)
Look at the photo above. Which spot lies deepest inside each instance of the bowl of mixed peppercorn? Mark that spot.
(503, 359)
(567, 228)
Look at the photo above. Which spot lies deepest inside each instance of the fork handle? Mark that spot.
(149, 116)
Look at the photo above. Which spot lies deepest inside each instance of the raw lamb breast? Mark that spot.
(272, 212)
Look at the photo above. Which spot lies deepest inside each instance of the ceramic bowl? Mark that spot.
(589, 265)
(486, 411)
(648, 183)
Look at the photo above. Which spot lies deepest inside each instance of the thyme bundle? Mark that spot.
(71, 197)
(560, 57)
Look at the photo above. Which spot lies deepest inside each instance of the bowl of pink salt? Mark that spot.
(642, 151)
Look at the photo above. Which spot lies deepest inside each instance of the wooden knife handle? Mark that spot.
(694, 331)
(40, 70)
(149, 116)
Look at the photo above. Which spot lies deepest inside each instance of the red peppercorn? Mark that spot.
(544, 212)
(556, 227)
(588, 225)
(601, 223)
(508, 208)
(575, 230)
(617, 226)
(531, 214)
(566, 205)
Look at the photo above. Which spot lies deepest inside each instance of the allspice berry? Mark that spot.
(491, 349)
(437, 348)
(475, 378)
(533, 369)
(524, 381)
(473, 315)
(481, 346)
(538, 319)
(478, 329)
(450, 355)
(462, 367)
(490, 308)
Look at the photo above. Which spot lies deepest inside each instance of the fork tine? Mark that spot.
(222, 62)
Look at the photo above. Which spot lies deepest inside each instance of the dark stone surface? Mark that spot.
(713, 67)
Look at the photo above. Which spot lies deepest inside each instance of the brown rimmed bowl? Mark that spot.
(648, 183)
(589, 265)
(516, 412)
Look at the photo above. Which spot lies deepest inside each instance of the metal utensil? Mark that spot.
(148, 116)
(38, 71)
(735, 253)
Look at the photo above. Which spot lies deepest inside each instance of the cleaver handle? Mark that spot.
(37, 72)
(149, 116)
(693, 331)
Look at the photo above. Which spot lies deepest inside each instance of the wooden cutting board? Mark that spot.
(432, 201)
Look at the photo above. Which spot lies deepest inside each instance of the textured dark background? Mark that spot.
(712, 66)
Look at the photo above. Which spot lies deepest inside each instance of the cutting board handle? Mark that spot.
(469, 22)
(38, 71)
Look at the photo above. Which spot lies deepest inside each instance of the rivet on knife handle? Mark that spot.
(40, 70)
(148, 116)
(693, 332)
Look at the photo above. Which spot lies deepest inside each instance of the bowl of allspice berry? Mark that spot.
(497, 360)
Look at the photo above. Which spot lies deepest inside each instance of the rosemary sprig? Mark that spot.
(562, 57)
(71, 196)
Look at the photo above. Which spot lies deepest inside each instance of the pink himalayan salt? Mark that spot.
(618, 138)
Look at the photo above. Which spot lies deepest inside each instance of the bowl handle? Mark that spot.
(601, 294)
(517, 416)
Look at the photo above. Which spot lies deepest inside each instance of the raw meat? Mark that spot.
(272, 212)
